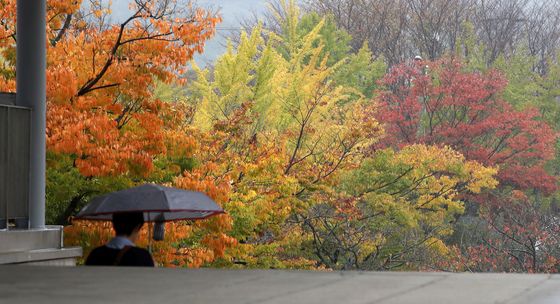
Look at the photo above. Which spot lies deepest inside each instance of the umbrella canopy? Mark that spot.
(159, 204)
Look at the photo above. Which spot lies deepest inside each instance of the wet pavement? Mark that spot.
(32, 284)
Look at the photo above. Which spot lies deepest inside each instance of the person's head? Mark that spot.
(128, 224)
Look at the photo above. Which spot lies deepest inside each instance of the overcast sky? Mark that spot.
(232, 12)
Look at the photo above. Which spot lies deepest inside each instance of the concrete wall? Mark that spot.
(14, 163)
(19, 244)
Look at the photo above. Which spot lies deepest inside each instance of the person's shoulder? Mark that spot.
(141, 252)
(98, 256)
(138, 250)
(139, 257)
(99, 250)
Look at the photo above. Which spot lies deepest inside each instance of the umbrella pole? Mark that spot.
(149, 234)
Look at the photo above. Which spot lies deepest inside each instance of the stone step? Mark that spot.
(32, 239)
(44, 257)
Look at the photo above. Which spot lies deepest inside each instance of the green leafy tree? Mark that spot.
(394, 211)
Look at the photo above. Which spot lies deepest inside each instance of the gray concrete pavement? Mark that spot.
(31, 284)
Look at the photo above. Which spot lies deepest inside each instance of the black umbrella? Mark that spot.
(158, 203)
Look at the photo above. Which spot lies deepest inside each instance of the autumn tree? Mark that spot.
(395, 210)
(102, 122)
(465, 110)
(522, 236)
(279, 92)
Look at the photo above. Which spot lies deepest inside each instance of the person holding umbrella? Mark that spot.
(121, 250)
(129, 209)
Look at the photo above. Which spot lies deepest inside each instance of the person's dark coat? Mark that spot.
(128, 256)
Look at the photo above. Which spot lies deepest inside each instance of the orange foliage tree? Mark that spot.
(101, 77)
(105, 130)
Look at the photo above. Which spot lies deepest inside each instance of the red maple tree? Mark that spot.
(443, 104)
(464, 110)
